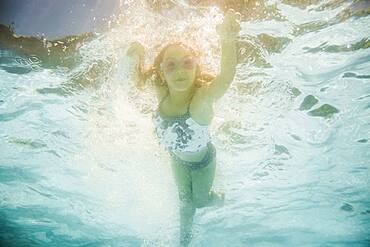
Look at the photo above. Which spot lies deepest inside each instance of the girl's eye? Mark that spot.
(170, 65)
(188, 63)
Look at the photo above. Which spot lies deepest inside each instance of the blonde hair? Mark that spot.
(153, 73)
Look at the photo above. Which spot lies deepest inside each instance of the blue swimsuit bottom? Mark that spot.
(208, 158)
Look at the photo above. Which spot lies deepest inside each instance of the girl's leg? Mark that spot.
(202, 180)
(187, 208)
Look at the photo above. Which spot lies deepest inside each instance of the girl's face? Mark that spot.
(178, 68)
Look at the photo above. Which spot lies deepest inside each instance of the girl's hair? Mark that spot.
(201, 79)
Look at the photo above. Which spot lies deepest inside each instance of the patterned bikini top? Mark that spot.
(181, 132)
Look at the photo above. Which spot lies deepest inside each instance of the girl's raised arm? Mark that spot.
(228, 32)
(136, 51)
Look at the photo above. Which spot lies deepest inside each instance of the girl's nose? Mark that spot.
(180, 71)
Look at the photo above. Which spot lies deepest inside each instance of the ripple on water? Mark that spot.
(325, 111)
(33, 144)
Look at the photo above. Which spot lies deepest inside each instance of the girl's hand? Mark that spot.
(136, 49)
(229, 29)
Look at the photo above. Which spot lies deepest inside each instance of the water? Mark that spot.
(80, 164)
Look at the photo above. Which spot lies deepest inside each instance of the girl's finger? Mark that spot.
(238, 16)
(230, 14)
(230, 11)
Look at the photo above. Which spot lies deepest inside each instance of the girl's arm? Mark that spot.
(138, 75)
(136, 52)
(228, 32)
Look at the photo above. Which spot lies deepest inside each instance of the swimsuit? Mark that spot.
(182, 133)
(194, 165)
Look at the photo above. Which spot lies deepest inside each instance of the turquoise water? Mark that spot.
(80, 164)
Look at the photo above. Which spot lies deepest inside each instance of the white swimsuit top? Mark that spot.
(181, 132)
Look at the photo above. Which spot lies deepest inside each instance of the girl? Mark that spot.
(185, 111)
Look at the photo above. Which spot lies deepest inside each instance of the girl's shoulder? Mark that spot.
(202, 94)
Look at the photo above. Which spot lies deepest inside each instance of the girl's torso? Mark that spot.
(188, 125)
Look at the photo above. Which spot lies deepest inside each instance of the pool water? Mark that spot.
(80, 164)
